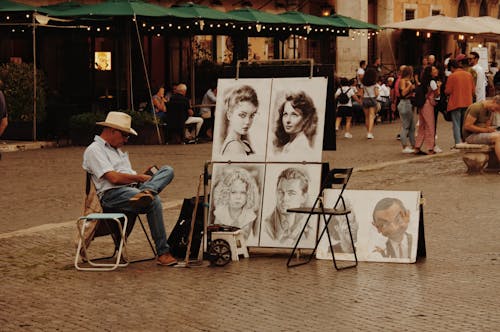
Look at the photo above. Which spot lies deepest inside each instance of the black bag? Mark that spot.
(441, 106)
(178, 239)
(343, 98)
(420, 97)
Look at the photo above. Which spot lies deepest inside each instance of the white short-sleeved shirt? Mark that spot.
(99, 158)
(350, 91)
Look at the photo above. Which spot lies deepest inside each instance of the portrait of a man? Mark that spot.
(391, 219)
(384, 225)
(288, 186)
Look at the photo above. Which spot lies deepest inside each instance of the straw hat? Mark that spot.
(120, 121)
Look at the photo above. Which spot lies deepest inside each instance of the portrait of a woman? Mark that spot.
(240, 107)
(296, 125)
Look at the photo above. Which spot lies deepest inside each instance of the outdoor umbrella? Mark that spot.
(294, 17)
(253, 15)
(192, 10)
(12, 6)
(436, 23)
(351, 23)
(489, 26)
(114, 8)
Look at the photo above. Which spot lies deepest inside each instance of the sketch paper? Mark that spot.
(288, 186)
(241, 118)
(370, 244)
(236, 198)
(296, 119)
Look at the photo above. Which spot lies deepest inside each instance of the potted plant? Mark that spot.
(83, 127)
(18, 80)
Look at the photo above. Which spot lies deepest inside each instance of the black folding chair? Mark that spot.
(338, 177)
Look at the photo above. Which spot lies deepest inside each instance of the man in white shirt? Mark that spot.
(481, 82)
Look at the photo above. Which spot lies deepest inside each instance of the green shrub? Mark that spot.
(18, 80)
(87, 121)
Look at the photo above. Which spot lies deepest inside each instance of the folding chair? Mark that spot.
(339, 177)
(96, 223)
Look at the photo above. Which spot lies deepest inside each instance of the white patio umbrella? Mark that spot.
(439, 23)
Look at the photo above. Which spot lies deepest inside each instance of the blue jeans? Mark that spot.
(118, 199)
(405, 110)
(457, 117)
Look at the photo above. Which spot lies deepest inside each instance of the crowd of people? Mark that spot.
(417, 96)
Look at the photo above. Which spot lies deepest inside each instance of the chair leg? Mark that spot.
(150, 244)
(295, 247)
(353, 249)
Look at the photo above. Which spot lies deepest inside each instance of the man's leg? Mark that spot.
(455, 120)
(119, 199)
(159, 180)
(197, 120)
(495, 139)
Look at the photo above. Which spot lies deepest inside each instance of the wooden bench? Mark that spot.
(479, 157)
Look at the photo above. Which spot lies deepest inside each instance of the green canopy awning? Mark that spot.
(351, 23)
(192, 10)
(295, 17)
(12, 6)
(56, 8)
(253, 15)
(115, 8)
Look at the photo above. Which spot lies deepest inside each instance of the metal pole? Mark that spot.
(34, 78)
(147, 79)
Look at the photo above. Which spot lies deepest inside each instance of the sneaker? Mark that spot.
(347, 135)
(370, 136)
(437, 149)
(408, 150)
(142, 199)
(398, 137)
(166, 260)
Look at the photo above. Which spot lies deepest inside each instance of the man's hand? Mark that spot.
(143, 177)
(190, 112)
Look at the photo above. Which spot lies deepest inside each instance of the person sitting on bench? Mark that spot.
(179, 114)
(477, 127)
(120, 188)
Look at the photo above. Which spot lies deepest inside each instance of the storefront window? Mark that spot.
(260, 48)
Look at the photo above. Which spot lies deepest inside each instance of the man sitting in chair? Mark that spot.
(120, 188)
(179, 114)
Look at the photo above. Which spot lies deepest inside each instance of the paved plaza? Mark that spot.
(454, 289)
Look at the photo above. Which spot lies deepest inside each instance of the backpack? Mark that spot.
(343, 98)
(420, 96)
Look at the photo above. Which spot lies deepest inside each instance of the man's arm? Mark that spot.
(469, 125)
(3, 124)
(123, 178)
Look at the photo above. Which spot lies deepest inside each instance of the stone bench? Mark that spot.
(479, 157)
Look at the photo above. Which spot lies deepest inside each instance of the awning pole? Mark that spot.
(147, 80)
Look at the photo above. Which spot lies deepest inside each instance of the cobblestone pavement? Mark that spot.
(454, 289)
